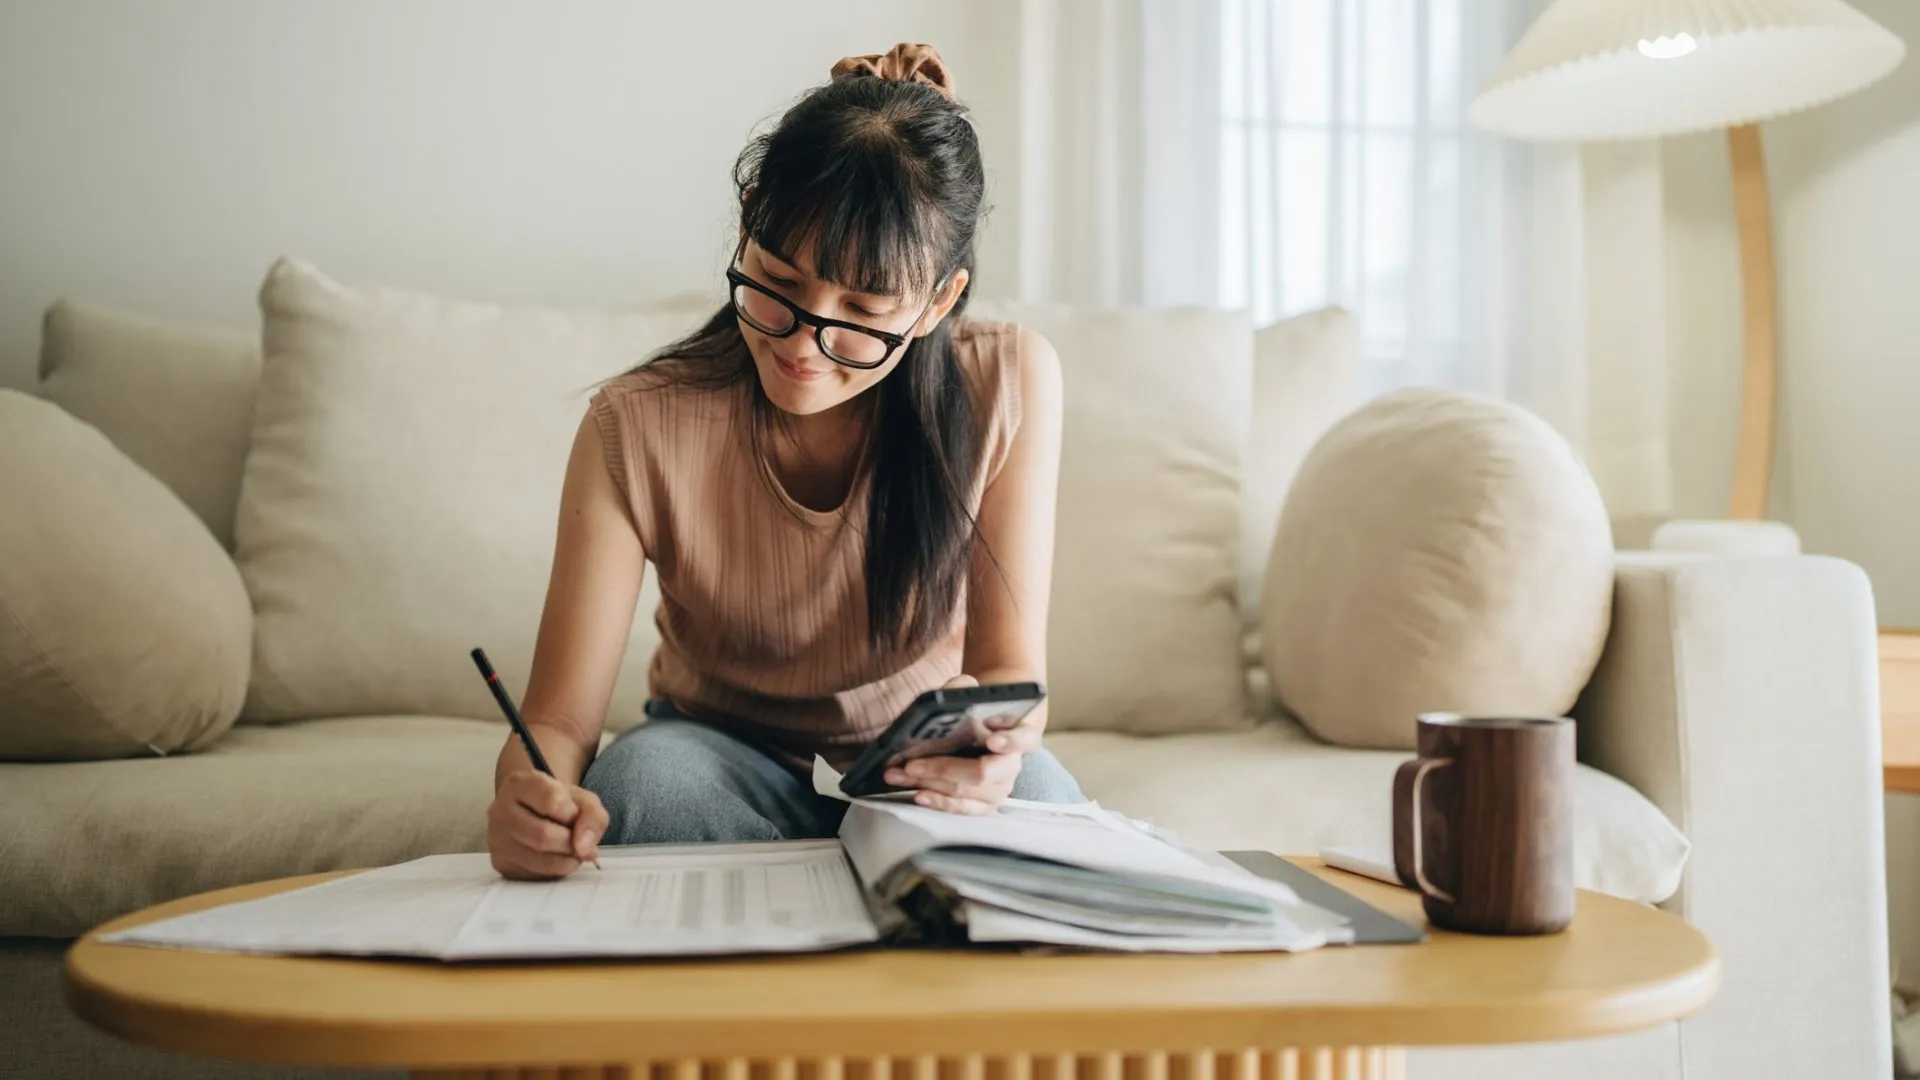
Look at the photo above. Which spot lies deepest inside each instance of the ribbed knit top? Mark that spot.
(763, 610)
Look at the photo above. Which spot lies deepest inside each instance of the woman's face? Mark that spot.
(797, 376)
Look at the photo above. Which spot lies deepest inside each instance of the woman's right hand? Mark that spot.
(539, 828)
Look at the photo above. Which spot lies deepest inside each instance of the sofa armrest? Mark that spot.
(1741, 696)
(1709, 536)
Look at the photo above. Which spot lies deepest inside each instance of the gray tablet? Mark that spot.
(1371, 926)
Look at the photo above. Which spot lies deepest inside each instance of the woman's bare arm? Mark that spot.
(1007, 591)
(1012, 575)
(591, 595)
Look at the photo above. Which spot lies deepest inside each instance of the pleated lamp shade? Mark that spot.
(1638, 69)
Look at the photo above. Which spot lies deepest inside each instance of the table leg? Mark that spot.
(1301, 1063)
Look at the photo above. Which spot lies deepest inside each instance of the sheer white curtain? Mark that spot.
(1282, 155)
(1348, 175)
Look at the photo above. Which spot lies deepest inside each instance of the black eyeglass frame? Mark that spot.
(820, 323)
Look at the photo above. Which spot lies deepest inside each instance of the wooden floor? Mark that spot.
(1900, 709)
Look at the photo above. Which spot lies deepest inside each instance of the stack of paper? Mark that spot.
(1034, 872)
(661, 901)
(1072, 875)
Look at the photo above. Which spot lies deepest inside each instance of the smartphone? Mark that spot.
(941, 723)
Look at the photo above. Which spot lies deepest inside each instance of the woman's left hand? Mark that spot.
(969, 785)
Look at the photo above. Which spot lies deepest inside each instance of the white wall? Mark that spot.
(158, 157)
(1846, 197)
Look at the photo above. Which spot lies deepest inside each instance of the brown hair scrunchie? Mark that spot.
(904, 62)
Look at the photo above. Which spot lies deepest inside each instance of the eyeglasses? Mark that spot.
(846, 343)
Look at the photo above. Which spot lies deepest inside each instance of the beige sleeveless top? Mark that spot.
(763, 602)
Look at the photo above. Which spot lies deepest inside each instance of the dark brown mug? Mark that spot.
(1483, 823)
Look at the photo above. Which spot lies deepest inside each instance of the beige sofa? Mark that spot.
(1728, 741)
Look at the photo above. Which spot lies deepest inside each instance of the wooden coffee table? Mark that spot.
(1900, 710)
(907, 1015)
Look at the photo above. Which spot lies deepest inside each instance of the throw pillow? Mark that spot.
(124, 628)
(402, 491)
(1438, 551)
(177, 400)
(1143, 633)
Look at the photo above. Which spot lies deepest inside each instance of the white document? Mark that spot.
(880, 834)
(1089, 877)
(671, 901)
(414, 909)
(792, 897)
(1092, 917)
(987, 923)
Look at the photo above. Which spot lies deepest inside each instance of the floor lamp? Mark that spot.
(1591, 70)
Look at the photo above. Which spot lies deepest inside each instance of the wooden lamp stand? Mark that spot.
(1759, 377)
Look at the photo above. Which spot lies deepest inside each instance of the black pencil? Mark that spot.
(513, 716)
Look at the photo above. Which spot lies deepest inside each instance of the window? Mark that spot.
(1348, 175)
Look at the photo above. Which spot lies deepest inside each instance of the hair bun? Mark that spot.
(904, 62)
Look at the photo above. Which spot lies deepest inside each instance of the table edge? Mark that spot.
(371, 1044)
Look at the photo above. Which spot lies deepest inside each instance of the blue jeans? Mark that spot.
(678, 781)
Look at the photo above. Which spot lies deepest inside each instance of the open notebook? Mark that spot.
(1070, 875)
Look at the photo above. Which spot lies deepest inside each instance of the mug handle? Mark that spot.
(1420, 772)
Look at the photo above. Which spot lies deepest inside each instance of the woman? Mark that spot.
(847, 491)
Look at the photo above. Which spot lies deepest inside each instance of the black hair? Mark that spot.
(884, 181)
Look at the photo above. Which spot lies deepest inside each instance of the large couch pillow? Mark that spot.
(124, 628)
(402, 491)
(1438, 551)
(178, 400)
(1144, 634)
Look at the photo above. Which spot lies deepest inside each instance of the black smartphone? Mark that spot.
(941, 723)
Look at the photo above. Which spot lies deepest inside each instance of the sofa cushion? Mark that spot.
(86, 842)
(1306, 377)
(89, 841)
(1276, 788)
(1439, 551)
(1143, 631)
(400, 497)
(178, 400)
(124, 628)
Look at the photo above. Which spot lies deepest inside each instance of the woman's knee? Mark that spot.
(1044, 779)
(667, 783)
